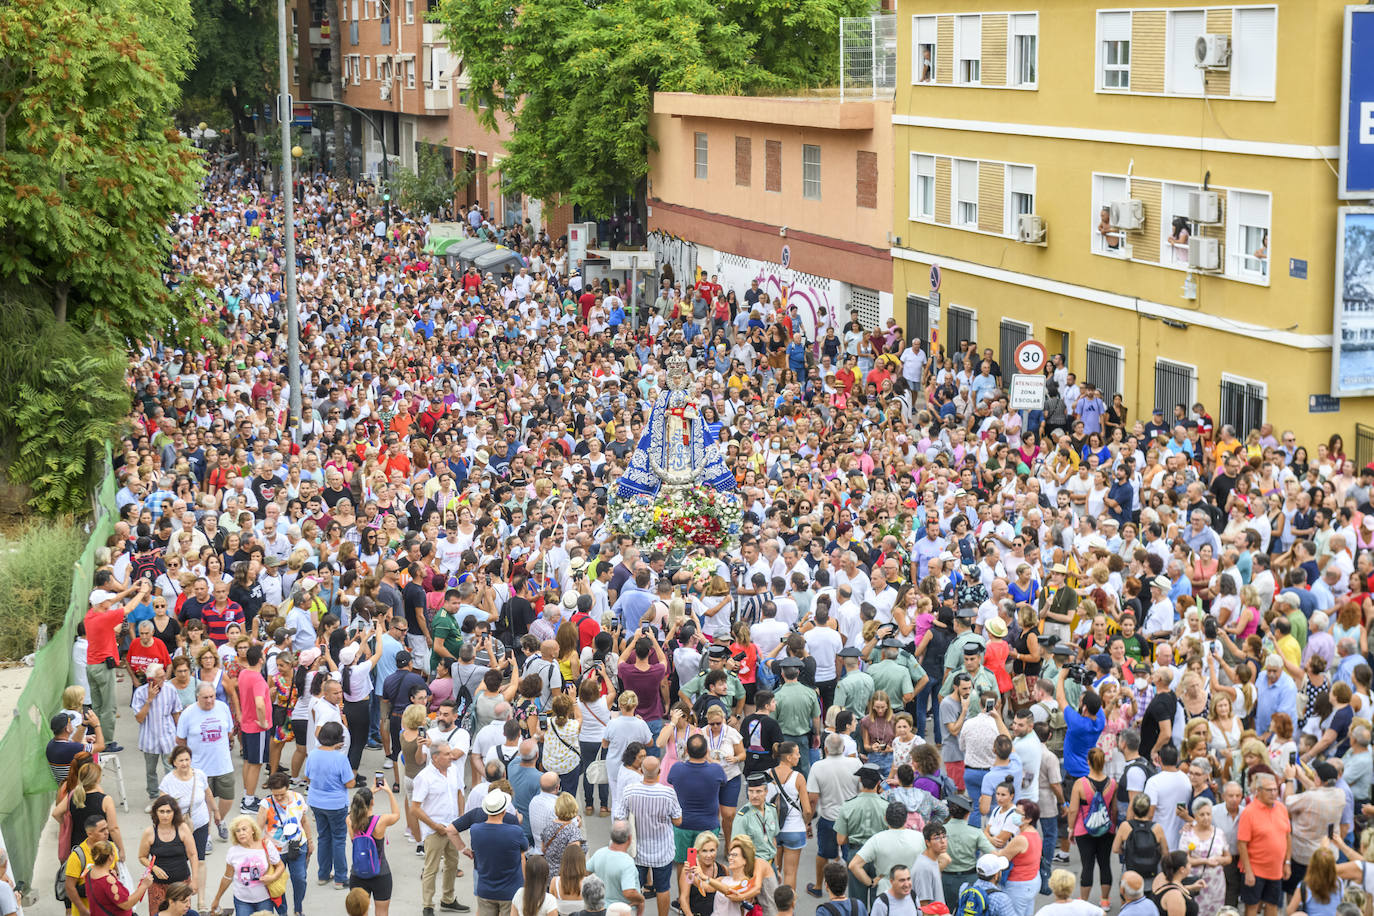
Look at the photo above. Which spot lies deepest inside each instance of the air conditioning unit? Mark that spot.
(1204, 253)
(1212, 52)
(385, 90)
(1126, 214)
(1204, 207)
(1030, 229)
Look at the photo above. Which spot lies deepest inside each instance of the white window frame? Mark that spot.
(1240, 262)
(962, 24)
(1120, 361)
(811, 184)
(1243, 380)
(1101, 199)
(410, 72)
(957, 198)
(701, 155)
(1015, 31)
(924, 27)
(1244, 51)
(1192, 391)
(1112, 37)
(1180, 76)
(368, 65)
(921, 193)
(410, 11)
(1011, 196)
(1170, 255)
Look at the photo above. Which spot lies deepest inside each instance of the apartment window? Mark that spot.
(1107, 190)
(1242, 403)
(1010, 335)
(1181, 76)
(410, 74)
(923, 31)
(1025, 28)
(357, 69)
(438, 67)
(1020, 185)
(963, 325)
(700, 155)
(744, 161)
(1114, 42)
(368, 64)
(968, 48)
(1253, 52)
(1175, 229)
(1175, 383)
(1247, 234)
(922, 187)
(353, 7)
(811, 172)
(1104, 367)
(966, 193)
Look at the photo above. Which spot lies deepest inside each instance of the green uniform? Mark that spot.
(853, 690)
(954, 655)
(891, 847)
(444, 628)
(862, 817)
(913, 667)
(966, 844)
(734, 692)
(892, 676)
(983, 680)
(761, 826)
(798, 706)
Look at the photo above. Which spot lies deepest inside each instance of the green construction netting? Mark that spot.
(24, 814)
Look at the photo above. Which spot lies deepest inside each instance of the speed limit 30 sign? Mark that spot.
(1029, 356)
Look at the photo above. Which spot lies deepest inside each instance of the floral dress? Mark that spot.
(1212, 897)
(283, 692)
(1106, 742)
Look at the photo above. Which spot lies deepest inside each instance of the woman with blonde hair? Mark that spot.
(569, 652)
(694, 896)
(250, 865)
(1223, 734)
(1321, 888)
(562, 755)
(737, 887)
(88, 798)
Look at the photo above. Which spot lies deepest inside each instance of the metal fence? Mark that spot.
(1174, 384)
(960, 328)
(868, 56)
(1010, 335)
(918, 318)
(1364, 445)
(1241, 406)
(1104, 367)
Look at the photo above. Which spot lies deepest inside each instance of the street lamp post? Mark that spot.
(293, 345)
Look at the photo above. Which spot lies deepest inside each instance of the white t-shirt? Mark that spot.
(1166, 790)
(767, 634)
(824, 644)
(250, 865)
(206, 732)
(321, 712)
(189, 796)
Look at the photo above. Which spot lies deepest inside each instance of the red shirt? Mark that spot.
(217, 620)
(100, 634)
(141, 656)
(587, 628)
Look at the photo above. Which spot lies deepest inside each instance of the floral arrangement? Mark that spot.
(679, 518)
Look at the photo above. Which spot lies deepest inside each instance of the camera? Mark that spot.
(1079, 672)
(1209, 628)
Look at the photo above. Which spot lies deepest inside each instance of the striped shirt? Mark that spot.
(653, 806)
(157, 733)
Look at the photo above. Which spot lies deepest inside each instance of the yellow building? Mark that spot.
(1168, 227)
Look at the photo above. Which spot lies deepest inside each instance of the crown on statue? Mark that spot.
(678, 374)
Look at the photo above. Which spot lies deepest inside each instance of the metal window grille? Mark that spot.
(1105, 364)
(961, 328)
(1242, 405)
(864, 305)
(868, 57)
(918, 317)
(1174, 384)
(1011, 334)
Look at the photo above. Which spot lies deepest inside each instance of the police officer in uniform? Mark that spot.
(798, 710)
(966, 844)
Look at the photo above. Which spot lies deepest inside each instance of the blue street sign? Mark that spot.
(1297, 268)
(1357, 106)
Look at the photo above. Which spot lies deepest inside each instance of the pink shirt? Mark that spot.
(253, 685)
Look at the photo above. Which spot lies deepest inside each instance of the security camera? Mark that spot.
(782, 231)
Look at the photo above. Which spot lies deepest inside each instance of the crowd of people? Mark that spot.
(957, 649)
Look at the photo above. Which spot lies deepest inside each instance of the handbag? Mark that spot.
(276, 887)
(597, 774)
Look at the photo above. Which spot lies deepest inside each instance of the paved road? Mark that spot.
(405, 865)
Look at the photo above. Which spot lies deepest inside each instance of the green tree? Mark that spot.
(432, 186)
(577, 77)
(90, 173)
(235, 47)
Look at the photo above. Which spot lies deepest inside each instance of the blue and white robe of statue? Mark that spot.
(703, 452)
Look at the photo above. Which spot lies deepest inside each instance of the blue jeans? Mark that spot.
(247, 909)
(655, 726)
(1049, 842)
(567, 782)
(592, 750)
(973, 787)
(881, 761)
(925, 698)
(1022, 894)
(296, 868)
(331, 827)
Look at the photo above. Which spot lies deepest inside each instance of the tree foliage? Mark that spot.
(90, 172)
(577, 77)
(235, 48)
(431, 187)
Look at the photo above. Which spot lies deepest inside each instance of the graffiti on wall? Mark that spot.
(817, 299)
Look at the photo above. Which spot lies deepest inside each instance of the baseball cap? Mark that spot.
(990, 865)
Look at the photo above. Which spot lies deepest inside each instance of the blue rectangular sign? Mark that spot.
(1357, 106)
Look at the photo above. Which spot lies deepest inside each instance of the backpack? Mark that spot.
(705, 702)
(973, 902)
(59, 889)
(367, 861)
(832, 908)
(764, 678)
(1099, 818)
(145, 567)
(1140, 853)
(506, 761)
(1146, 766)
(1054, 718)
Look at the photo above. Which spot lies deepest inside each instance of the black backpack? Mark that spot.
(1140, 853)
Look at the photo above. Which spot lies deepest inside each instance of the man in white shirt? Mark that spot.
(787, 613)
(436, 800)
(882, 596)
(823, 643)
(327, 707)
(1168, 790)
(769, 632)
